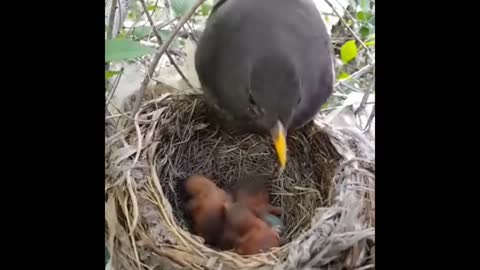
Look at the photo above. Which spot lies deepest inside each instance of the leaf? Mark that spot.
(327, 19)
(109, 74)
(122, 33)
(370, 43)
(164, 34)
(324, 106)
(364, 16)
(205, 9)
(181, 6)
(348, 51)
(141, 31)
(364, 31)
(123, 49)
(151, 7)
(343, 75)
(365, 5)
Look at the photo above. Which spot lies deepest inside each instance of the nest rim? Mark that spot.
(194, 244)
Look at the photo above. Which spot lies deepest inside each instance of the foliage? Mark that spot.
(124, 49)
(348, 51)
(352, 51)
(179, 7)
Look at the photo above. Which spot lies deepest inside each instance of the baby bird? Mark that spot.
(253, 193)
(247, 233)
(206, 206)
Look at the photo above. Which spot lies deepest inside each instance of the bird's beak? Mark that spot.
(279, 136)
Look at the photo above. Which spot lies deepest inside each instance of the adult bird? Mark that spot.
(266, 65)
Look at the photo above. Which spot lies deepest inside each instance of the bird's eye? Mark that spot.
(299, 100)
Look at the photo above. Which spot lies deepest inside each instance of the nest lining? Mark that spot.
(185, 141)
(192, 143)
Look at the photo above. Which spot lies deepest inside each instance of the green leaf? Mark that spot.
(348, 51)
(205, 9)
(327, 19)
(343, 75)
(109, 74)
(364, 31)
(324, 106)
(365, 5)
(164, 34)
(122, 33)
(123, 49)
(364, 16)
(141, 31)
(181, 6)
(151, 7)
(370, 43)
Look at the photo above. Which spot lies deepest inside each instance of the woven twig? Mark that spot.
(331, 204)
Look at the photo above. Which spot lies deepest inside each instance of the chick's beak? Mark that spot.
(279, 136)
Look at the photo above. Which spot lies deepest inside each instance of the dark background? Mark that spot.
(53, 179)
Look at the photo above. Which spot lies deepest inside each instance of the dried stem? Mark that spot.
(115, 85)
(369, 121)
(186, 142)
(160, 26)
(158, 55)
(160, 41)
(111, 19)
(363, 104)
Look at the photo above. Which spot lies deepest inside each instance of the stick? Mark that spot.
(158, 55)
(160, 41)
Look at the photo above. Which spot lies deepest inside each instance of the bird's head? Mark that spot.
(274, 93)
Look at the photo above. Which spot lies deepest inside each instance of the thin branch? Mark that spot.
(369, 121)
(109, 101)
(363, 104)
(160, 41)
(111, 19)
(193, 35)
(172, 60)
(357, 74)
(120, 22)
(158, 27)
(115, 84)
(158, 55)
(348, 12)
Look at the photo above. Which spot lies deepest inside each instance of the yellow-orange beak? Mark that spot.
(279, 136)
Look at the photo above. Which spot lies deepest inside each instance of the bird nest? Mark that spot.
(326, 191)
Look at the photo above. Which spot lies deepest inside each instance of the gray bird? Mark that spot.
(266, 65)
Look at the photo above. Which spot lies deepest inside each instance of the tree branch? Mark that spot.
(369, 121)
(158, 55)
(363, 104)
(160, 41)
(111, 19)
